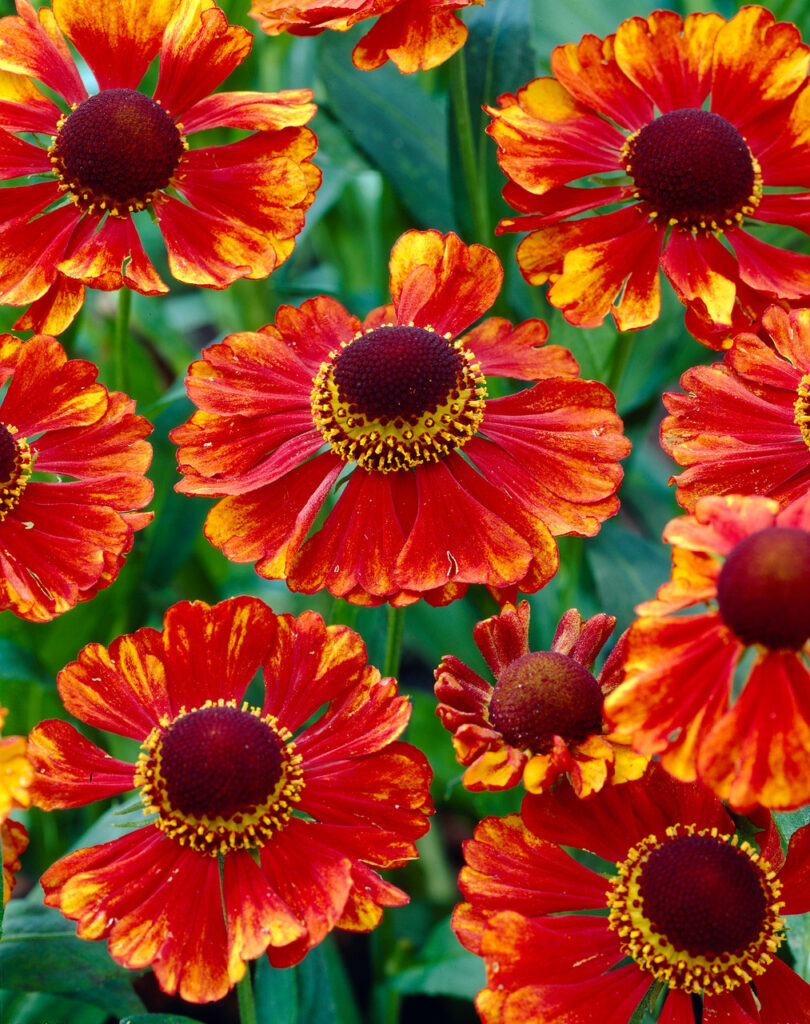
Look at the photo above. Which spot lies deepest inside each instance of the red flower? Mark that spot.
(72, 465)
(121, 151)
(382, 411)
(277, 813)
(414, 34)
(543, 717)
(743, 427)
(751, 564)
(695, 907)
(703, 125)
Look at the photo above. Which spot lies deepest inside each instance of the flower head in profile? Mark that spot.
(225, 212)
(72, 477)
(743, 425)
(694, 129)
(681, 907)
(689, 693)
(16, 773)
(543, 717)
(385, 425)
(266, 821)
(414, 34)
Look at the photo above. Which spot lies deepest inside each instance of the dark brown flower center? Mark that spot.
(704, 895)
(693, 168)
(398, 373)
(542, 695)
(220, 762)
(696, 909)
(115, 150)
(16, 462)
(398, 396)
(764, 588)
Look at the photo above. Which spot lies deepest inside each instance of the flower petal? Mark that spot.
(439, 282)
(118, 40)
(33, 45)
(70, 771)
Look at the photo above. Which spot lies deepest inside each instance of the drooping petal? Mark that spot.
(757, 752)
(415, 34)
(109, 255)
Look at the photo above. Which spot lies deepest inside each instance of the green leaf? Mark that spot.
(34, 1008)
(316, 991)
(41, 953)
(627, 569)
(398, 126)
(442, 968)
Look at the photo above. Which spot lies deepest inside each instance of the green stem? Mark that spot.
(244, 995)
(621, 354)
(393, 641)
(120, 340)
(476, 193)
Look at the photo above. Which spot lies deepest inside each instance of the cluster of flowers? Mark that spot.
(367, 458)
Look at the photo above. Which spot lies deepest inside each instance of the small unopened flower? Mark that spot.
(543, 716)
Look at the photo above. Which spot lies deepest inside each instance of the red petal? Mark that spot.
(122, 690)
(507, 351)
(253, 111)
(414, 34)
(308, 665)
(118, 40)
(33, 45)
(70, 771)
(214, 651)
(200, 49)
(109, 256)
(437, 281)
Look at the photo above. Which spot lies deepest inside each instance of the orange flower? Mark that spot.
(751, 563)
(695, 127)
(277, 814)
(437, 486)
(120, 151)
(543, 718)
(689, 916)
(744, 425)
(16, 774)
(414, 34)
(72, 465)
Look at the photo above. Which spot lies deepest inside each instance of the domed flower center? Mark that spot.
(763, 590)
(801, 409)
(694, 169)
(398, 396)
(115, 150)
(16, 461)
(220, 777)
(697, 910)
(542, 695)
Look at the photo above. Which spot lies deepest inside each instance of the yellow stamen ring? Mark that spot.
(213, 834)
(711, 972)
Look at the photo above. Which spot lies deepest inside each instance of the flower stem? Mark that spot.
(473, 181)
(393, 641)
(244, 995)
(621, 355)
(120, 339)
